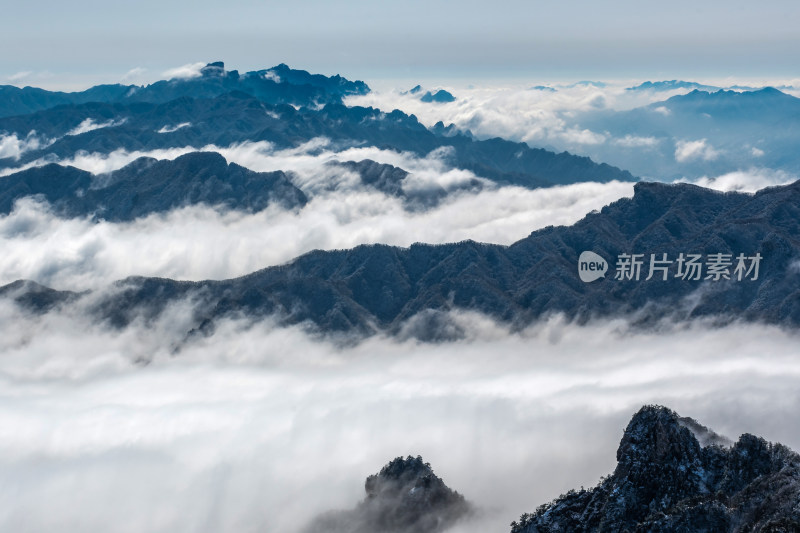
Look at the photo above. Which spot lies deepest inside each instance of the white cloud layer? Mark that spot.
(633, 141)
(745, 181)
(170, 129)
(257, 429)
(538, 117)
(694, 150)
(201, 243)
(89, 124)
(190, 70)
(12, 146)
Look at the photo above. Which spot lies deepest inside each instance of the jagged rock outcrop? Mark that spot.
(674, 475)
(404, 497)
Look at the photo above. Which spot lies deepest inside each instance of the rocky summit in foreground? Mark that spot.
(404, 497)
(674, 475)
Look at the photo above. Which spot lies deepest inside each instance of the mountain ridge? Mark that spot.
(410, 291)
(235, 118)
(147, 186)
(285, 85)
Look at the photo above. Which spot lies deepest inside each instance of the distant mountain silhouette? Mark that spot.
(733, 131)
(673, 474)
(671, 85)
(148, 186)
(439, 97)
(279, 84)
(407, 291)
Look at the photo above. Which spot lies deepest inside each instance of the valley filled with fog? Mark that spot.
(157, 424)
(259, 428)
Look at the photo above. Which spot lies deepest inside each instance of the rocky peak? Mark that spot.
(217, 68)
(406, 478)
(674, 474)
(655, 435)
(404, 497)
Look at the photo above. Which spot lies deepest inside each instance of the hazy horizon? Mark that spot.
(59, 45)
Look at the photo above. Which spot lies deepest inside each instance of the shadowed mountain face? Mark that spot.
(675, 475)
(404, 497)
(279, 84)
(405, 291)
(149, 186)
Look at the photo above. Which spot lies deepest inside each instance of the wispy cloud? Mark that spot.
(693, 150)
(20, 75)
(190, 70)
(633, 141)
(170, 129)
(134, 73)
(89, 124)
(13, 147)
(745, 181)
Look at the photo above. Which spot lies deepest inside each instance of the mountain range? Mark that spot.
(279, 84)
(408, 291)
(148, 186)
(213, 110)
(701, 133)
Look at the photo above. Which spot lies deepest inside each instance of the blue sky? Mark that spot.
(53, 43)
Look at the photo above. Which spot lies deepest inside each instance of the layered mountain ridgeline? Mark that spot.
(671, 85)
(404, 497)
(236, 118)
(407, 291)
(701, 134)
(148, 186)
(675, 475)
(279, 84)
(392, 181)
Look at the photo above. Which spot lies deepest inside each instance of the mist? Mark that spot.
(205, 242)
(258, 428)
(584, 118)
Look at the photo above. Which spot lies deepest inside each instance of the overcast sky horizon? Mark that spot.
(76, 44)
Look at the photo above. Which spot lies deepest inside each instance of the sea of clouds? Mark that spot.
(204, 242)
(258, 428)
(201, 242)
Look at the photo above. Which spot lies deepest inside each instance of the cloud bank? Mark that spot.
(258, 429)
(13, 147)
(201, 242)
